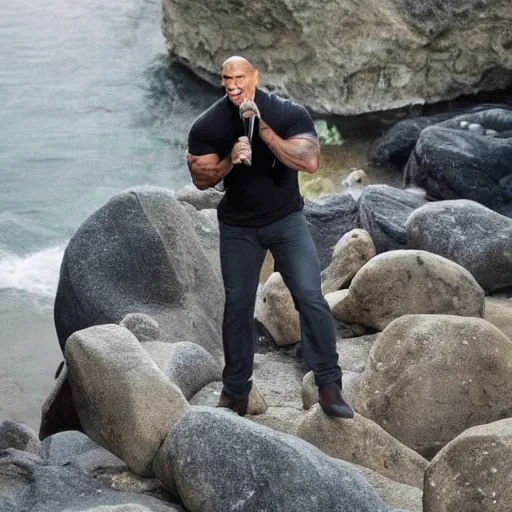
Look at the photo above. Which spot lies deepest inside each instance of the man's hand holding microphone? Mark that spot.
(242, 152)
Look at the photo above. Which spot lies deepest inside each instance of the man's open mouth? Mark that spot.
(234, 95)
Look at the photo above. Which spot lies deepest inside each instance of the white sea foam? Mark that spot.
(36, 273)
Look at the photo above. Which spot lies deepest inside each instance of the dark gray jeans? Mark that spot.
(242, 251)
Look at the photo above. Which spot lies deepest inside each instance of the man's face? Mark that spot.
(239, 80)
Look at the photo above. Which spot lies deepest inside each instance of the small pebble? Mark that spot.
(475, 127)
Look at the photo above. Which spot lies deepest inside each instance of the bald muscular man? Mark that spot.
(262, 209)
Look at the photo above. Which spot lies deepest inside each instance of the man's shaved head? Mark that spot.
(239, 78)
(237, 60)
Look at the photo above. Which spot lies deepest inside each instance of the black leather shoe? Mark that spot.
(239, 405)
(332, 403)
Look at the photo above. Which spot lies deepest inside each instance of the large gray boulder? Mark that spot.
(430, 377)
(75, 449)
(402, 496)
(397, 283)
(383, 211)
(466, 157)
(30, 485)
(328, 220)
(124, 402)
(199, 199)
(468, 233)
(140, 254)
(361, 441)
(275, 310)
(18, 436)
(351, 252)
(142, 326)
(329, 56)
(498, 312)
(63, 447)
(216, 461)
(472, 472)
(207, 231)
(186, 364)
(393, 149)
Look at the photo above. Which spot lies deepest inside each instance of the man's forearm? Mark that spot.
(299, 153)
(206, 174)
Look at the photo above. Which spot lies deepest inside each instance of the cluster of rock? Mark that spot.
(329, 57)
(426, 356)
(464, 156)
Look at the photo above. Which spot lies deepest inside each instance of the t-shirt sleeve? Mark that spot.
(199, 142)
(299, 121)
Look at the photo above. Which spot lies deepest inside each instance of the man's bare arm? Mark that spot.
(301, 152)
(208, 170)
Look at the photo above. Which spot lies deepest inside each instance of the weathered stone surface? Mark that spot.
(159, 351)
(395, 494)
(279, 379)
(266, 470)
(353, 352)
(405, 282)
(18, 436)
(58, 412)
(333, 298)
(62, 448)
(498, 312)
(76, 449)
(140, 253)
(459, 159)
(472, 472)
(119, 508)
(468, 233)
(329, 219)
(191, 368)
(309, 389)
(275, 309)
(207, 231)
(186, 364)
(393, 149)
(282, 419)
(28, 484)
(383, 211)
(330, 58)
(363, 442)
(142, 326)
(430, 377)
(123, 401)
(199, 199)
(351, 252)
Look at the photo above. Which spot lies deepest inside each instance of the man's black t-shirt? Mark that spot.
(268, 190)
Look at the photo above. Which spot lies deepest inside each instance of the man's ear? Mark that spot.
(256, 78)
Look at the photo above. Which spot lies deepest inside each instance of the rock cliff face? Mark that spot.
(348, 57)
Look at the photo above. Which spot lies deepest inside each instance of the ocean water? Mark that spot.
(90, 105)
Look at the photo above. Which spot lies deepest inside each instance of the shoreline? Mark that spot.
(29, 355)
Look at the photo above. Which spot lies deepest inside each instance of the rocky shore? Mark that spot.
(418, 281)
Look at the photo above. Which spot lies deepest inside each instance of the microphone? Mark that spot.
(249, 123)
